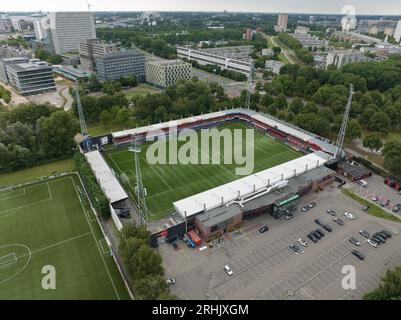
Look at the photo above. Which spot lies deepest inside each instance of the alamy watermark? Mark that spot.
(49, 280)
(204, 146)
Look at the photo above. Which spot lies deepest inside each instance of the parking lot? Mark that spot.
(264, 267)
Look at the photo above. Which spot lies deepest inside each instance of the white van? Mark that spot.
(363, 183)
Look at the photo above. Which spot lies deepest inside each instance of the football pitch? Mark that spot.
(166, 183)
(50, 224)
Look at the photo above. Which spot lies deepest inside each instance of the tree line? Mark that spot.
(292, 43)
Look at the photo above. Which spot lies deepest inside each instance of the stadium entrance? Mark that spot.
(285, 205)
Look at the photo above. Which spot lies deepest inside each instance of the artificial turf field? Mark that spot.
(166, 183)
(48, 224)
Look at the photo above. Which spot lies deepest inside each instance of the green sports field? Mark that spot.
(166, 183)
(50, 224)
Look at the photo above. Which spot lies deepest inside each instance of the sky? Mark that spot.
(363, 7)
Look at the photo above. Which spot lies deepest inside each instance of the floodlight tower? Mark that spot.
(248, 94)
(82, 123)
(343, 129)
(139, 188)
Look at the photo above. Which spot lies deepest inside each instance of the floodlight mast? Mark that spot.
(82, 122)
(139, 188)
(248, 93)
(343, 129)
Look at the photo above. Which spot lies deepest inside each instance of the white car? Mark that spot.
(228, 270)
(303, 242)
(170, 281)
(349, 215)
(372, 243)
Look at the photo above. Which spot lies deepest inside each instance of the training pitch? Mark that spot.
(166, 183)
(51, 224)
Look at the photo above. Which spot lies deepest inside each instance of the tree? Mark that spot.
(94, 84)
(296, 105)
(379, 122)
(123, 116)
(151, 287)
(354, 129)
(373, 141)
(392, 157)
(105, 117)
(280, 102)
(389, 289)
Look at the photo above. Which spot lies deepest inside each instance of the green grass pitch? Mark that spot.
(48, 224)
(166, 183)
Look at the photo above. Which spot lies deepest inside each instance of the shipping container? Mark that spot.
(195, 238)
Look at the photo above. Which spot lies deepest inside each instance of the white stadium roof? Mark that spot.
(228, 192)
(105, 177)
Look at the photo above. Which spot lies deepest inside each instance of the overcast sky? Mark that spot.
(374, 7)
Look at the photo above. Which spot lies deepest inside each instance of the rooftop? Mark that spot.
(31, 65)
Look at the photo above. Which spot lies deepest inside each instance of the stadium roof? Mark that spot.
(105, 177)
(213, 198)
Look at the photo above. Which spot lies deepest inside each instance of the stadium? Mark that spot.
(210, 199)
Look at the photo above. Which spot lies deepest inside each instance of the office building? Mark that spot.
(92, 49)
(31, 77)
(65, 30)
(397, 33)
(167, 73)
(120, 64)
(21, 23)
(5, 23)
(282, 22)
(8, 61)
(340, 58)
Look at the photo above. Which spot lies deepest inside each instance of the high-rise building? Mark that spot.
(397, 33)
(5, 23)
(167, 73)
(65, 30)
(340, 58)
(31, 77)
(282, 22)
(248, 34)
(116, 65)
(92, 49)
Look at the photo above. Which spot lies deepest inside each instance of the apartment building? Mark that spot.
(340, 58)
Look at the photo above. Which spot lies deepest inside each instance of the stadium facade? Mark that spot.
(275, 191)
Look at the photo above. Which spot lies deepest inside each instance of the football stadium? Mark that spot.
(51, 224)
(210, 199)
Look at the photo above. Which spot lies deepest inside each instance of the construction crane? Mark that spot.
(84, 130)
(139, 188)
(248, 94)
(89, 5)
(343, 129)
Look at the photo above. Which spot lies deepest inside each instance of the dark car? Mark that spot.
(295, 248)
(263, 229)
(354, 241)
(320, 223)
(339, 221)
(387, 233)
(332, 212)
(327, 228)
(383, 235)
(378, 238)
(364, 233)
(358, 254)
(397, 208)
(312, 238)
(316, 235)
(365, 208)
(320, 232)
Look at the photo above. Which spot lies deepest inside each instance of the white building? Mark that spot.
(65, 30)
(301, 30)
(340, 58)
(167, 73)
(397, 33)
(267, 52)
(274, 66)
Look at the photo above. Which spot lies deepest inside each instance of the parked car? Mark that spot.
(349, 215)
(228, 270)
(320, 223)
(358, 254)
(312, 204)
(379, 238)
(263, 229)
(289, 216)
(303, 242)
(170, 281)
(320, 232)
(373, 243)
(375, 198)
(364, 233)
(387, 233)
(312, 238)
(316, 235)
(383, 235)
(397, 208)
(327, 228)
(354, 241)
(384, 203)
(339, 221)
(305, 208)
(365, 208)
(331, 212)
(296, 249)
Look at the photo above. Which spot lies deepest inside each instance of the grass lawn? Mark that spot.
(166, 183)
(51, 224)
(283, 58)
(31, 174)
(140, 90)
(98, 128)
(374, 210)
(393, 135)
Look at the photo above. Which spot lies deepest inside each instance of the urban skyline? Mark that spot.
(391, 7)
